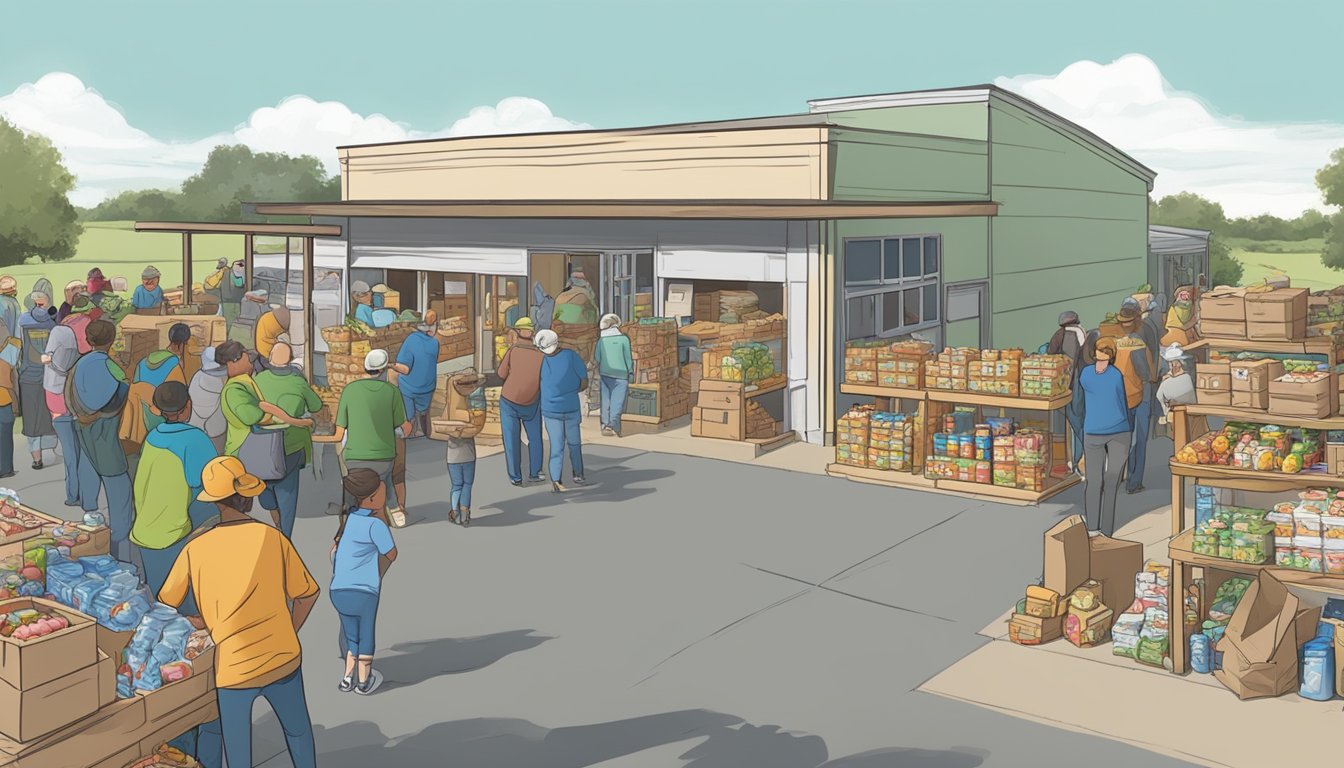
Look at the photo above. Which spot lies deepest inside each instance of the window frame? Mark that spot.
(895, 286)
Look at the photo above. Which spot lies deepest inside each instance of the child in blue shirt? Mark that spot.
(362, 553)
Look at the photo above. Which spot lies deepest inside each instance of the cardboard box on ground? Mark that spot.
(1094, 572)
(48, 682)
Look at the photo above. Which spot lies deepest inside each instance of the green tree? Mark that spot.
(149, 204)
(1331, 181)
(36, 217)
(234, 175)
(1194, 212)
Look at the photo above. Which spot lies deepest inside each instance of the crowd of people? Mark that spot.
(173, 454)
(1124, 385)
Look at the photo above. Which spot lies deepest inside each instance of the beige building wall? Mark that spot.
(756, 164)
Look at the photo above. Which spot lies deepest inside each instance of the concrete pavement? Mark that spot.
(679, 611)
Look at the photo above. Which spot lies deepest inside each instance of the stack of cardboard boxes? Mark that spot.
(1261, 313)
(1086, 577)
(852, 436)
(1213, 383)
(1045, 376)
(724, 411)
(492, 421)
(49, 682)
(1251, 380)
(950, 370)
(454, 336)
(659, 391)
(996, 372)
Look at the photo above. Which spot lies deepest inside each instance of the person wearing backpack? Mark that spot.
(1141, 379)
(1071, 342)
(360, 556)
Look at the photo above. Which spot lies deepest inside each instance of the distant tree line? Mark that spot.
(232, 175)
(1190, 210)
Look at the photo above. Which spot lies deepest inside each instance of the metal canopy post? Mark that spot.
(187, 295)
(248, 248)
(307, 307)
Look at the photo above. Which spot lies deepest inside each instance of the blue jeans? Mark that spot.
(70, 450)
(158, 563)
(359, 613)
(562, 429)
(1140, 417)
(513, 420)
(283, 494)
(231, 734)
(120, 513)
(417, 403)
(614, 391)
(6, 439)
(462, 475)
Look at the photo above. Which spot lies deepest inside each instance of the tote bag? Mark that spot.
(263, 453)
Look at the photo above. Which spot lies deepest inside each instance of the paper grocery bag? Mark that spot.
(1066, 555)
(1114, 562)
(1260, 644)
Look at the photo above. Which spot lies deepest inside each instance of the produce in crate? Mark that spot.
(30, 624)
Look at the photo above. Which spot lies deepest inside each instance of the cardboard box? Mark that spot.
(1114, 562)
(1223, 304)
(1213, 376)
(1334, 458)
(121, 759)
(26, 664)
(717, 423)
(1066, 555)
(1044, 603)
(1281, 305)
(724, 395)
(1034, 630)
(1088, 628)
(1277, 331)
(1254, 375)
(36, 711)
(1310, 399)
(181, 696)
(1213, 397)
(1091, 588)
(107, 680)
(1222, 329)
(158, 732)
(1254, 400)
(89, 741)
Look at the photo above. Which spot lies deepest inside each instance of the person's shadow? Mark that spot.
(407, 664)
(724, 741)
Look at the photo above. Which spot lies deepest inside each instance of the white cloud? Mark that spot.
(1249, 167)
(109, 155)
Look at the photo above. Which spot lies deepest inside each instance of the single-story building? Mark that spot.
(969, 216)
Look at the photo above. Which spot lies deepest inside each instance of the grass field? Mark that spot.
(122, 252)
(1300, 261)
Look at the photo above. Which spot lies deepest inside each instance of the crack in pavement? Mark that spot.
(822, 586)
(897, 544)
(721, 630)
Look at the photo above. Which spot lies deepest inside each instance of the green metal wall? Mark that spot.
(1072, 229)
(961, 121)
(871, 165)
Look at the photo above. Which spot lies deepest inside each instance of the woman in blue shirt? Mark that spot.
(149, 294)
(1106, 435)
(563, 377)
(362, 553)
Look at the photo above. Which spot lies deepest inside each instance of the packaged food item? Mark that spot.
(1334, 556)
(1043, 603)
(1087, 596)
(1086, 628)
(1283, 522)
(1308, 554)
(1125, 634)
(1306, 521)
(1332, 527)
(1283, 552)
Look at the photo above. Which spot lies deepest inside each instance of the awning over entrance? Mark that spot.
(304, 231)
(779, 210)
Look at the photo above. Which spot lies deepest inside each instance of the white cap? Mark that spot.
(376, 360)
(359, 286)
(1173, 352)
(547, 341)
(609, 321)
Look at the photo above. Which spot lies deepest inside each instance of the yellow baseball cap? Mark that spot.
(523, 324)
(225, 476)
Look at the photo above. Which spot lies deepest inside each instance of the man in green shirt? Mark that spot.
(284, 385)
(371, 416)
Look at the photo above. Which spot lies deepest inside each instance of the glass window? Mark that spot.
(911, 315)
(891, 259)
(930, 255)
(863, 261)
(930, 303)
(910, 250)
(891, 311)
(860, 320)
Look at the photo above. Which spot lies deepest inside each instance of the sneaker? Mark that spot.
(398, 517)
(370, 685)
(517, 483)
(608, 432)
(538, 479)
(38, 465)
(579, 480)
(347, 684)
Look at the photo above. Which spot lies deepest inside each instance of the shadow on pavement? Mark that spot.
(407, 664)
(611, 484)
(725, 742)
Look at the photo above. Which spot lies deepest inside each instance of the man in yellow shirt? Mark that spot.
(271, 327)
(244, 574)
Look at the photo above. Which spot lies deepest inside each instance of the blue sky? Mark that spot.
(183, 71)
